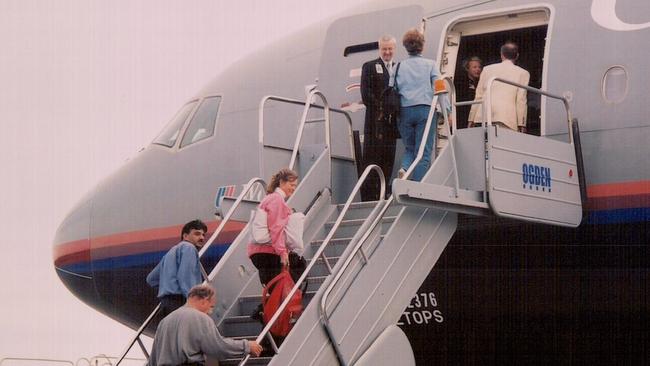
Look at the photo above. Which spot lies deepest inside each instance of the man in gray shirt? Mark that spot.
(188, 334)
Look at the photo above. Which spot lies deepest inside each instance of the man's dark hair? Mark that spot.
(510, 50)
(194, 225)
(201, 292)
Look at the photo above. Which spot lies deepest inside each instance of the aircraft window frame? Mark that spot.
(360, 48)
(180, 124)
(189, 123)
(603, 86)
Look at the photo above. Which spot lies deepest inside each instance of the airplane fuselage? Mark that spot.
(503, 292)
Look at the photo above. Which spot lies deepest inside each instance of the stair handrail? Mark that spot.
(308, 104)
(324, 316)
(452, 99)
(323, 246)
(252, 182)
(487, 105)
(206, 278)
(35, 359)
(303, 120)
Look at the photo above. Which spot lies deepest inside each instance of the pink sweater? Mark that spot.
(277, 218)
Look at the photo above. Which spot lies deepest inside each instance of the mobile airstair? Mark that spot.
(367, 259)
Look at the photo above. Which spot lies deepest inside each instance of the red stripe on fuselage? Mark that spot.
(619, 195)
(135, 242)
(72, 252)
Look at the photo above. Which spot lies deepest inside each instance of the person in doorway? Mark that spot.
(380, 132)
(188, 334)
(467, 90)
(270, 258)
(509, 106)
(415, 83)
(179, 269)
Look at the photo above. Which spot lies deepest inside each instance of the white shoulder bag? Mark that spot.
(294, 231)
(259, 226)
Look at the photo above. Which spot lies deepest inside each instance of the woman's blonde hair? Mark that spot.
(284, 175)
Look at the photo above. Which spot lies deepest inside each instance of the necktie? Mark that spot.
(389, 66)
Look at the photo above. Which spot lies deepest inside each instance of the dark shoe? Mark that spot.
(258, 314)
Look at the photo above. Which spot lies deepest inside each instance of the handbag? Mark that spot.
(294, 231)
(390, 98)
(273, 295)
(259, 226)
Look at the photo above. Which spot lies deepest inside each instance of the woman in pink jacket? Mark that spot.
(270, 258)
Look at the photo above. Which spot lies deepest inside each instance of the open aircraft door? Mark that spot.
(352, 41)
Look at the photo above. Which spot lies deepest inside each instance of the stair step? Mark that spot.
(358, 222)
(320, 269)
(248, 304)
(251, 361)
(348, 228)
(240, 326)
(334, 248)
(361, 210)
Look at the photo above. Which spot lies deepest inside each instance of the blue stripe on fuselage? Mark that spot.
(209, 258)
(619, 216)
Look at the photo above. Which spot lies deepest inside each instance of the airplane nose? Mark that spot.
(71, 251)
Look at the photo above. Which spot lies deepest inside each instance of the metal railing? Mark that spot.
(452, 98)
(308, 104)
(206, 278)
(321, 250)
(324, 316)
(486, 110)
(40, 360)
(251, 183)
(486, 102)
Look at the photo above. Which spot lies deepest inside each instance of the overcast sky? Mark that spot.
(83, 86)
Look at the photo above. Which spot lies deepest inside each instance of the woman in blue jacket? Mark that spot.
(415, 84)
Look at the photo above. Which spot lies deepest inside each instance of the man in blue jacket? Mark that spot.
(179, 270)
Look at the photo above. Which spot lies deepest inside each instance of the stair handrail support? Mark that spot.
(303, 120)
(324, 316)
(206, 277)
(486, 109)
(322, 247)
(487, 101)
(252, 182)
(449, 82)
(308, 104)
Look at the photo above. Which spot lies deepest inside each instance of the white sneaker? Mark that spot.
(400, 173)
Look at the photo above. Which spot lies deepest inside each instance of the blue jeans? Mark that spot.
(412, 122)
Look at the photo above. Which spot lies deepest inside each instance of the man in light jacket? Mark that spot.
(508, 102)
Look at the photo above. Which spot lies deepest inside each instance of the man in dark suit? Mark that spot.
(380, 130)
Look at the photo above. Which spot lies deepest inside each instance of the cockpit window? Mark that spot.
(203, 122)
(171, 132)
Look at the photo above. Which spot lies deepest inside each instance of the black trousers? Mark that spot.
(379, 149)
(269, 265)
(169, 303)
